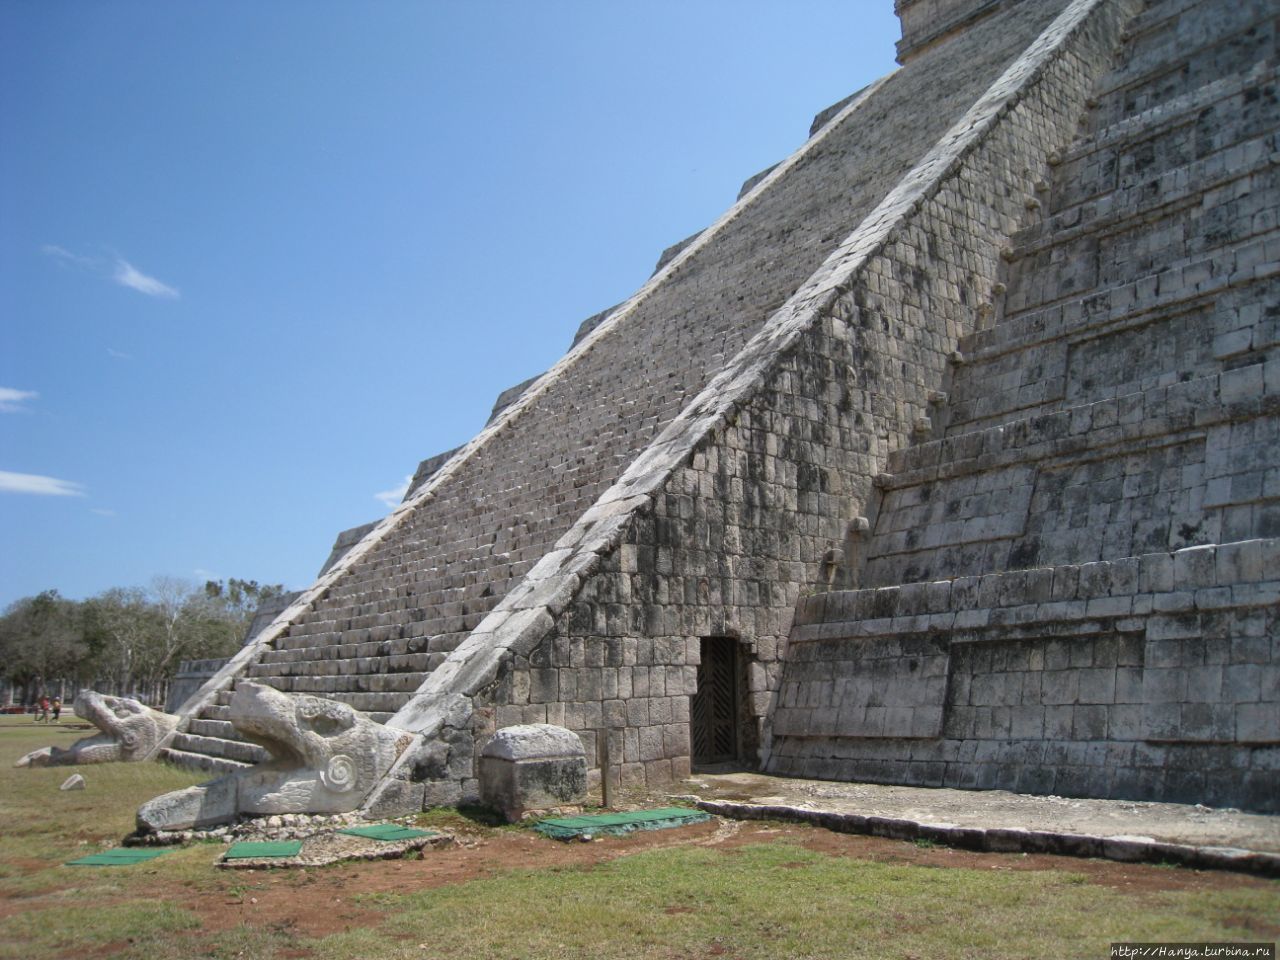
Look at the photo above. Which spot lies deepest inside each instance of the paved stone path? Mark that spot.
(997, 819)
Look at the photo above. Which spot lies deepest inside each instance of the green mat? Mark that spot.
(252, 850)
(387, 831)
(615, 824)
(119, 857)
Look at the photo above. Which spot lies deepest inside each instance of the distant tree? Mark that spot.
(41, 640)
(176, 604)
(234, 605)
(132, 638)
(124, 625)
(194, 623)
(240, 599)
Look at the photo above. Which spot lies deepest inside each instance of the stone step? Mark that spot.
(364, 599)
(237, 750)
(1166, 582)
(415, 558)
(329, 685)
(1142, 147)
(1128, 303)
(1205, 40)
(334, 666)
(406, 624)
(465, 575)
(1156, 179)
(216, 766)
(1125, 340)
(336, 648)
(333, 646)
(1173, 240)
(1166, 468)
(205, 727)
(371, 703)
(1237, 393)
(360, 631)
(334, 687)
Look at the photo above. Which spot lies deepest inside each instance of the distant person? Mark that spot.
(57, 708)
(42, 714)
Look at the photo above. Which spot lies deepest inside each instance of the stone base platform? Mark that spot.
(999, 821)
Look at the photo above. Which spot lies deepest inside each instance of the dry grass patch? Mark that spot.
(753, 891)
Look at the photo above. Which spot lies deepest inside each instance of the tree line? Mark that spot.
(126, 640)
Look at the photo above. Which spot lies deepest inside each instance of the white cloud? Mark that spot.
(102, 511)
(127, 275)
(11, 400)
(393, 497)
(38, 485)
(119, 354)
(118, 269)
(66, 256)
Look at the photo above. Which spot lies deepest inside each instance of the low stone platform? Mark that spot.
(996, 820)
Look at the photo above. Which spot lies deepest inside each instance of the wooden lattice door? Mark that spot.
(714, 709)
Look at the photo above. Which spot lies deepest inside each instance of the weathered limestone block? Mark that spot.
(325, 758)
(532, 767)
(130, 731)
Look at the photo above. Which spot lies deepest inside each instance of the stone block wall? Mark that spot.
(1098, 679)
(1196, 462)
(1083, 532)
(415, 590)
(190, 677)
(718, 528)
(926, 23)
(1034, 420)
(480, 526)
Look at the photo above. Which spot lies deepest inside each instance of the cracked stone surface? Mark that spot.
(1170, 822)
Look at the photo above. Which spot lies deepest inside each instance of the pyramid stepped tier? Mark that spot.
(1069, 582)
(1159, 470)
(1117, 406)
(1164, 217)
(949, 455)
(1096, 679)
(393, 609)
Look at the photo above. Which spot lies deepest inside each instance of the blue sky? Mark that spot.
(259, 259)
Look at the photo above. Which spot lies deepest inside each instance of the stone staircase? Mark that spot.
(397, 611)
(1101, 469)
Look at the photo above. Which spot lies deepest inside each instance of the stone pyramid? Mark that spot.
(948, 455)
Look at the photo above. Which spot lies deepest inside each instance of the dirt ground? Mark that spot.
(314, 903)
(1170, 822)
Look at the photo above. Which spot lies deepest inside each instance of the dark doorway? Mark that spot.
(716, 706)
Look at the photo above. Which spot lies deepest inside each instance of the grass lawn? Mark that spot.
(768, 891)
